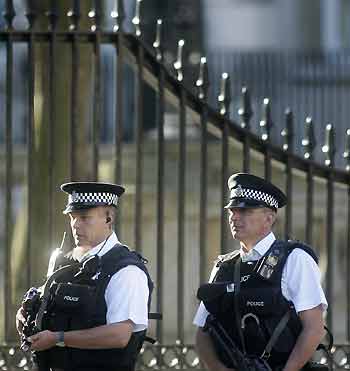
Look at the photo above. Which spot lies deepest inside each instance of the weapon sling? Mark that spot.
(237, 286)
(277, 331)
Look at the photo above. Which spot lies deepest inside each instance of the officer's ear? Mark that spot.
(271, 216)
(110, 218)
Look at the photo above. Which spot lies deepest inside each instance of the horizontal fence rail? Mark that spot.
(14, 359)
(102, 104)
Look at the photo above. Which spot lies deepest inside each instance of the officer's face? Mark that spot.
(89, 227)
(250, 225)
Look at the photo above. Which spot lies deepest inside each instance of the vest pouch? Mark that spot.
(71, 298)
(217, 297)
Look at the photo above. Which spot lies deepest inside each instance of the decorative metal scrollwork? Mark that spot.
(163, 357)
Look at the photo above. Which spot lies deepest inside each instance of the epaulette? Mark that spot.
(223, 258)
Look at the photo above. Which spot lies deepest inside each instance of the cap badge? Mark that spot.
(74, 196)
(238, 192)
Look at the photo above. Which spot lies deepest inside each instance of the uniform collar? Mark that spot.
(259, 249)
(107, 244)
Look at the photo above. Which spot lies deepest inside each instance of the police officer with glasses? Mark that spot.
(93, 309)
(263, 306)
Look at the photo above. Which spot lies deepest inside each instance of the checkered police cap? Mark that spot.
(249, 191)
(83, 195)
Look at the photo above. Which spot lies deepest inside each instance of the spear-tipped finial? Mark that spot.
(52, 15)
(309, 142)
(158, 41)
(288, 132)
(245, 112)
(224, 97)
(329, 147)
(96, 14)
(266, 123)
(202, 82)
(74, 16)
(346, 153)
(118, 14)
(9, 14)
(178, 62)
(31, 14)
(137, 19)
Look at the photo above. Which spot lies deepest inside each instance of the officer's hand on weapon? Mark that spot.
(43, 340)
(20, 320)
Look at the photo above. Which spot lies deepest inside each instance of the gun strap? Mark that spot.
(237, 282)
(326, 348)
(227, 345)
(276, 333)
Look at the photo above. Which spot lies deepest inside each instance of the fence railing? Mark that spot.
(311, 83)
(176, 176)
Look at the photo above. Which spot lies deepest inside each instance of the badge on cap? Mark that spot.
(238, 192)
(74, 196)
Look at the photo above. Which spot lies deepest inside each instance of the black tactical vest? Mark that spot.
(260, 302)
(77, 302)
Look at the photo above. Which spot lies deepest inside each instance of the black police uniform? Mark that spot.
(261, 305)
(248, 313)
(77, 302)
(74, 298)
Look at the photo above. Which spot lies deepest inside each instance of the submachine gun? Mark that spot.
(230, 352)
(34, 304)
(30, 304)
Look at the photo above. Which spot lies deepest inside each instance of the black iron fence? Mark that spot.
(175, 175)
(312, 83)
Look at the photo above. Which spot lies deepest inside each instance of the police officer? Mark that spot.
(97, 310)
(276, 293)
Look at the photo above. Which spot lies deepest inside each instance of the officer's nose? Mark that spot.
(234, 214)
